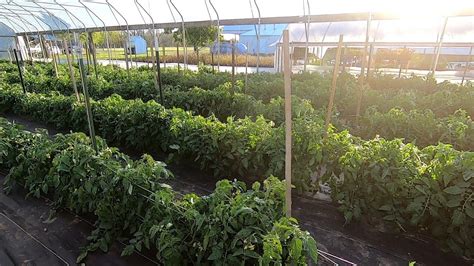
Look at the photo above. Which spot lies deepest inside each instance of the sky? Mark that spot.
(421, 18)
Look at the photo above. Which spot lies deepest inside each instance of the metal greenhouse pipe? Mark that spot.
(68, 53)
(157, 74)
(333, 84)
(184, 36)
(105, 30)
(307, 29)
(112, 8)
(440, 43)
(157, 51)
(322, 42)
(23, 21)
(218, 39)
(371, 50)
(11, 22)
(258, 36)
(362, 67)
(127, 41)
(71, 15)
(53, 57)
(53, 19)
(210, 19)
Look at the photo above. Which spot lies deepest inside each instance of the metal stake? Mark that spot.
(288, 120)
(333, 84)
(19, 71)
(88, 105)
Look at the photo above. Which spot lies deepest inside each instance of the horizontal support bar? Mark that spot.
(343, 17)
(387, 44)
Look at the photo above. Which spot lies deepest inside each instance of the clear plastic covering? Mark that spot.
(43, 15)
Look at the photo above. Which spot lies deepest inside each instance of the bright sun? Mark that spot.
(412, 9)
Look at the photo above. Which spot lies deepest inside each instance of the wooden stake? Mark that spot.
(164, 57)
(90, 118)
(287, 79)
(362, 69)
(127, 66)
(92, 51)
(71, 70)
(233, 65)
(438, 48)
(334, 82)
(468, 61)
(246, 68)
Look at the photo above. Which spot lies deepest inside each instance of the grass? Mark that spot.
(170, 56)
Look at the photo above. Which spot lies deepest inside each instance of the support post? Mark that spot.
(440, 43)
(212, 61)
(10, 56)
(53, 58)
(20, 73)
(333, 84)
(27, 40)
(344, 58)
(362, 68)
(399, 67)
(44, 50)
(246, 69)
(158, 72)
(233, 65)
(468, 61)
(177, 54)
(71, 70)
(88, 105)
(92, 51)
(369, 64)
(126, 56)
(307, 29)
(288, 156)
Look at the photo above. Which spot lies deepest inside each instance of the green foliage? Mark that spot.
(376, 178)
(229, 226)
(425, 100)
(197, 36)
(366, 177)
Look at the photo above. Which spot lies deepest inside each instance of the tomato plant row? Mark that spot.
(420, 126)
(230, 226)
(427, 190)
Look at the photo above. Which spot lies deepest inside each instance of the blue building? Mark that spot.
(137, 45)
(269, 34)
(226, 48)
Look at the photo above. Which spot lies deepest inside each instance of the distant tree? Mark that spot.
(98, 38)
(197, 37)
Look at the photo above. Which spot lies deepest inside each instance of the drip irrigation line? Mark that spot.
(34, 238)
(120, 242)
(89, 223)
(150, 198)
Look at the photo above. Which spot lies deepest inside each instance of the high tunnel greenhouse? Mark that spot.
(260, 132)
